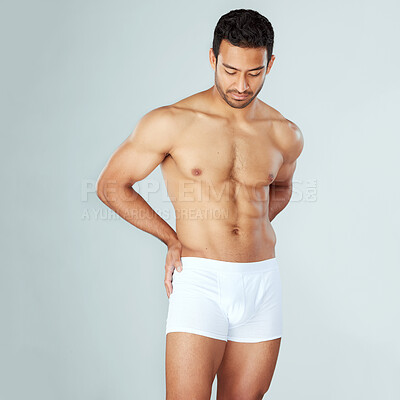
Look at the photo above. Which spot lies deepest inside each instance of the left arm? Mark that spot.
(280, 191)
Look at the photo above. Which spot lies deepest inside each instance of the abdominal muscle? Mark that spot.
(235, 231)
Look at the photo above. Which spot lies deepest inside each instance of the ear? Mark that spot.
(271, 61)
(212, 59)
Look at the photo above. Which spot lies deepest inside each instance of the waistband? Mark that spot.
(228, 266)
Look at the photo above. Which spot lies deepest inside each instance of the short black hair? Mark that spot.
(244, 28)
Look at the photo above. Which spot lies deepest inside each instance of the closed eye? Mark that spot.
(233, 73)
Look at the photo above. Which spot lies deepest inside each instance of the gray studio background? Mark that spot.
(82, 299)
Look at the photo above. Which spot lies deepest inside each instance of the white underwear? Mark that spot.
(225, 300)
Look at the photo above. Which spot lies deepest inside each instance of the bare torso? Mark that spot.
(218, 176)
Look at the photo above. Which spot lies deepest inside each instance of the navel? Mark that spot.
(235, 231)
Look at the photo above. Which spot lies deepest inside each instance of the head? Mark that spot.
(241, 55)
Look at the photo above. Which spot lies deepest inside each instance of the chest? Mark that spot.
(219, 152)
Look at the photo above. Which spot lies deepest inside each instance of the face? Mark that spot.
(240, 73)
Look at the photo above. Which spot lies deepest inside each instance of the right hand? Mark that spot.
(173, 261)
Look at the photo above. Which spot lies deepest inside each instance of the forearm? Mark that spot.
(279, 197)
(131, 206)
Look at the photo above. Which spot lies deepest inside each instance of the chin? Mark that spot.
(238, 103)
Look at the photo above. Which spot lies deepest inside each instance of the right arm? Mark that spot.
(146, 147)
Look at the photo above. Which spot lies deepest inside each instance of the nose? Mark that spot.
(242, 85)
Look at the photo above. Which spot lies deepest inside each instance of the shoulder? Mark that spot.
(156, 130)
(161, 117)
(177, 114)
(286, 135)
(162, 127)
(289, 139)
(160, 123)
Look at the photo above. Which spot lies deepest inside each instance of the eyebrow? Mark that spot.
(254, 69)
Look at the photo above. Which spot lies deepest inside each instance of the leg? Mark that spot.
(191, 363)
(246, 370)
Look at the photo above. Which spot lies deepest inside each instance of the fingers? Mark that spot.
(169, 271)
(173, 261)
(178, 265)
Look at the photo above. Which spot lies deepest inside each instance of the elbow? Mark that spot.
(100, 190)
(108, 190)
(104, 185)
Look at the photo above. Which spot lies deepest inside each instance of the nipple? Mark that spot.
(196, 171)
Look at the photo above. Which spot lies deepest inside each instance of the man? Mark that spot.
(228, 160)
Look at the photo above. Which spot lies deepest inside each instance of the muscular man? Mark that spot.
(228, 160)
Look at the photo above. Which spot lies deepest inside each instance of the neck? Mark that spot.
(238, 114)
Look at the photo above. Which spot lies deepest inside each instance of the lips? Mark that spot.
(239, 97)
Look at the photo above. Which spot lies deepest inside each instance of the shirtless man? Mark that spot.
(228, 160)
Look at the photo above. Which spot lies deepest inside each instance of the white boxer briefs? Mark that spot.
(237, 301)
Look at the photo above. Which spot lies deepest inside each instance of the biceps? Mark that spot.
(143, 150)
(131, 163)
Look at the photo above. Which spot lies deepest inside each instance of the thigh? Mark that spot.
(246, 369)
(191, 363)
